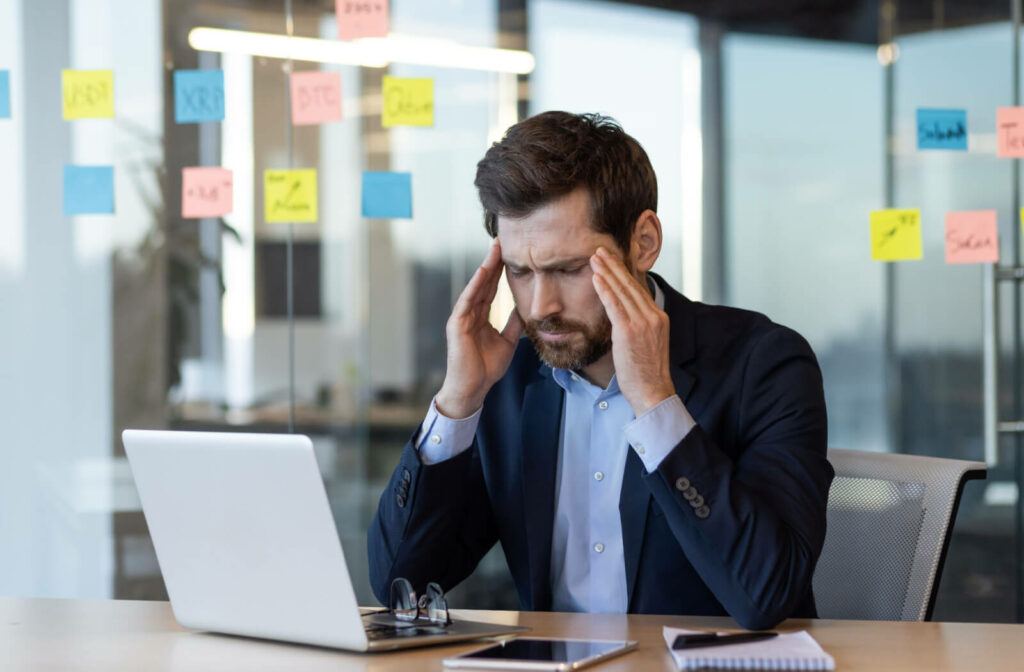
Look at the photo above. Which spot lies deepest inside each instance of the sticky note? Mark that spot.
(942, 129)
(316, 97)
(387, 195)
(5, 94)
(1010, 132)
(206, 192)
(88, 94)
(408, 101)
(88, 190)
(290, 195)
(366, 18)
(198, 96)
(972, 237)
(895, 235)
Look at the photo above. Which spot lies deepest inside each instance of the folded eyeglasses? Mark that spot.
(431, 606)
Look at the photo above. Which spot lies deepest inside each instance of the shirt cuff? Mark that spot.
(655, 433)
(442, 438)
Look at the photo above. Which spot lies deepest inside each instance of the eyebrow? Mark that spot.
(559, 265)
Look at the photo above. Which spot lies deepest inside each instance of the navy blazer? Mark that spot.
(731, 523)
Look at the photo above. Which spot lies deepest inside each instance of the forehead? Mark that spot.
(558, 229)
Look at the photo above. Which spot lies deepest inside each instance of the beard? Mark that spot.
(570, 354)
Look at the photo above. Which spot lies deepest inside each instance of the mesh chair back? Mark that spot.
(889, 518)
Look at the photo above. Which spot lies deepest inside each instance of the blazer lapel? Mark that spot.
(541, 418)
(634, 500)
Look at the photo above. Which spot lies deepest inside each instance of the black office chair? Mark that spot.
(889, 523)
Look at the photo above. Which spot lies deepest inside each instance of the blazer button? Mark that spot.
(697, 502)
(682, 483)
(400, 498)
(406, 476)
(703, 512)
(690, 493)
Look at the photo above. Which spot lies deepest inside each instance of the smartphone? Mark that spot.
(535, 653)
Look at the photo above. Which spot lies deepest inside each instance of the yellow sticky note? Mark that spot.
(408, 101)
(88, 94)
(290, 195)
(896, 235)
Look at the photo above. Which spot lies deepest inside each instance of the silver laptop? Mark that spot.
(247, 544)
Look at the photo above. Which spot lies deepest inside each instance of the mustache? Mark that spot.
(555, 325)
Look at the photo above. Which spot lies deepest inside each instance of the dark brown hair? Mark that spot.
(549, 155)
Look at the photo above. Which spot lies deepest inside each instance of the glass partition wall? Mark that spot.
(819, 134)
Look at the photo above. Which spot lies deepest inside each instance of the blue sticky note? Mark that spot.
(198, 96)
(387, 195)
(88, 190)
(942, 129)
(5, 94)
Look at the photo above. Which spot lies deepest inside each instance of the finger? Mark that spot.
(494, 266)
(609, 299)
(513, 327)
(474, 291)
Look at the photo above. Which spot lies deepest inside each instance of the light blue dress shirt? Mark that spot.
(588, 571)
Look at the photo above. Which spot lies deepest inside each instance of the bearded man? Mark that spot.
(638, 452)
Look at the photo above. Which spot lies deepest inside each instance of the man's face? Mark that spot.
(547, 264)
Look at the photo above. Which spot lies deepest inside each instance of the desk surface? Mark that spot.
(90, 635)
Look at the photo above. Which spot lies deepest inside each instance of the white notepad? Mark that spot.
(792, 651)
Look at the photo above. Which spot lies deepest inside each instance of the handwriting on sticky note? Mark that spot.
(290, 195)
(942, 129)
(88, 190)
(408, 101)
(206, 192)
(361, 18)
(5, 94)
(387, 195)
(896, 235)
(1010, 132)
(972, 237)
(88, 94)
(316, 97)
(198, 96)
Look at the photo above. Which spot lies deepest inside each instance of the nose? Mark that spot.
(547, 299)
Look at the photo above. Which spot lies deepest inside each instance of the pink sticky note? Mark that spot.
(1010, 132)
(361, 18)
(972, 237)
(206, 192)
(316, 97)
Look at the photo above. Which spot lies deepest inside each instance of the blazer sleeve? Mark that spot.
(753, 526)
(433, 522)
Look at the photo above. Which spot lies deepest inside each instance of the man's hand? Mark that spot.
(478, 354)
(639, 334)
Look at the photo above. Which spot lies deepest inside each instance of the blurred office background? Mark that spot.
(774, 128)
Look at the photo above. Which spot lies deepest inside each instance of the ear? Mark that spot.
(645, 245)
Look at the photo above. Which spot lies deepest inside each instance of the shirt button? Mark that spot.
(575, 378)
(599, 547)
(603, 405)
(435, 439)
(598, 476)
(639, 449)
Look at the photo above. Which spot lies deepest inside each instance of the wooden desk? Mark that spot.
(123, 635)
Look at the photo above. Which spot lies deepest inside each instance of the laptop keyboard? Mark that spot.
(378, 631)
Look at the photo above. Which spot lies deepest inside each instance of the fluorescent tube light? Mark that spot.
(371, 52)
